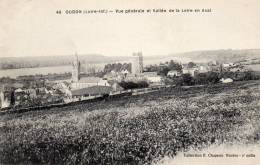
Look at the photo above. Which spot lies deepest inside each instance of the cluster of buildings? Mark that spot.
(196, 69)
(204, 68)
(77, 88)
(80, 87)
(28, 96)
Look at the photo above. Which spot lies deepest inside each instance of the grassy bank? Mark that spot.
(134, 130)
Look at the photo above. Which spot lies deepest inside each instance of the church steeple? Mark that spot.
(75, 68)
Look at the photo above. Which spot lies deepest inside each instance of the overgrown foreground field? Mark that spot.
(134, 130)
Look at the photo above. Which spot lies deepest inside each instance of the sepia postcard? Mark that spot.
(169, 82)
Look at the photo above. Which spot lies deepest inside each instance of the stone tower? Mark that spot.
(137, 64)
(75, 69)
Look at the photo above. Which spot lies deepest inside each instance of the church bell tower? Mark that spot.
(75, 69)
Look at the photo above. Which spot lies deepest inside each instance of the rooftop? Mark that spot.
(94, 90)
(89, 79)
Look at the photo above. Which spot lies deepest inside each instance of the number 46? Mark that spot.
(58, 12)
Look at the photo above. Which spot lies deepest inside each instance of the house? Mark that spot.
(18, 90)
(60, 85)
(203, 69)
(91, 91)
(213, 63)
(31, 92)
(227, 80)
(125, 72)
(174, 73)
(191, 71)
(19, 94)
(66, 92)
(49, 91)
(110, 76)
(117, 87)
(226, 65)
(119, 76)
(135, 77)
(86, 82)
(152, 77)
(239, 68)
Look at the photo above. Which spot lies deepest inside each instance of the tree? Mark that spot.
(201, 78)
(7, 80)
(108, 68)
(187, 79)
(212, 77)
(12, 99)
(174, 66)
(152, 68)
(163, 71)
(191, 64)
(126, 66)
(117, 67)
(133, 85)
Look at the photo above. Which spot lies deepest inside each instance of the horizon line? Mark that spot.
(150, 55)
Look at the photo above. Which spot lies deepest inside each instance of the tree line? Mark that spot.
(164, 68)
(117, 67)
(211, 77)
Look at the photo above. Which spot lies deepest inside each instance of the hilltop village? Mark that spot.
(30, 91)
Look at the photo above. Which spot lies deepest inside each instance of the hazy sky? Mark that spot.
(32, 28)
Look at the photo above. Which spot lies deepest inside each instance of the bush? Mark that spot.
(201, 78)
(187, 79)
(163, 71)
(178, 81)
(133, 85)
(213, 77)
(207, 78)
(242, 76)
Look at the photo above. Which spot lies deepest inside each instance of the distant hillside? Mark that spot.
(42, 61)
(220, 55)
(228, 55)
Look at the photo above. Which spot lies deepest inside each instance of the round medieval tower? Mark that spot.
(75, 69)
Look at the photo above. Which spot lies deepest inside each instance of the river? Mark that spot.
(13, 73)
